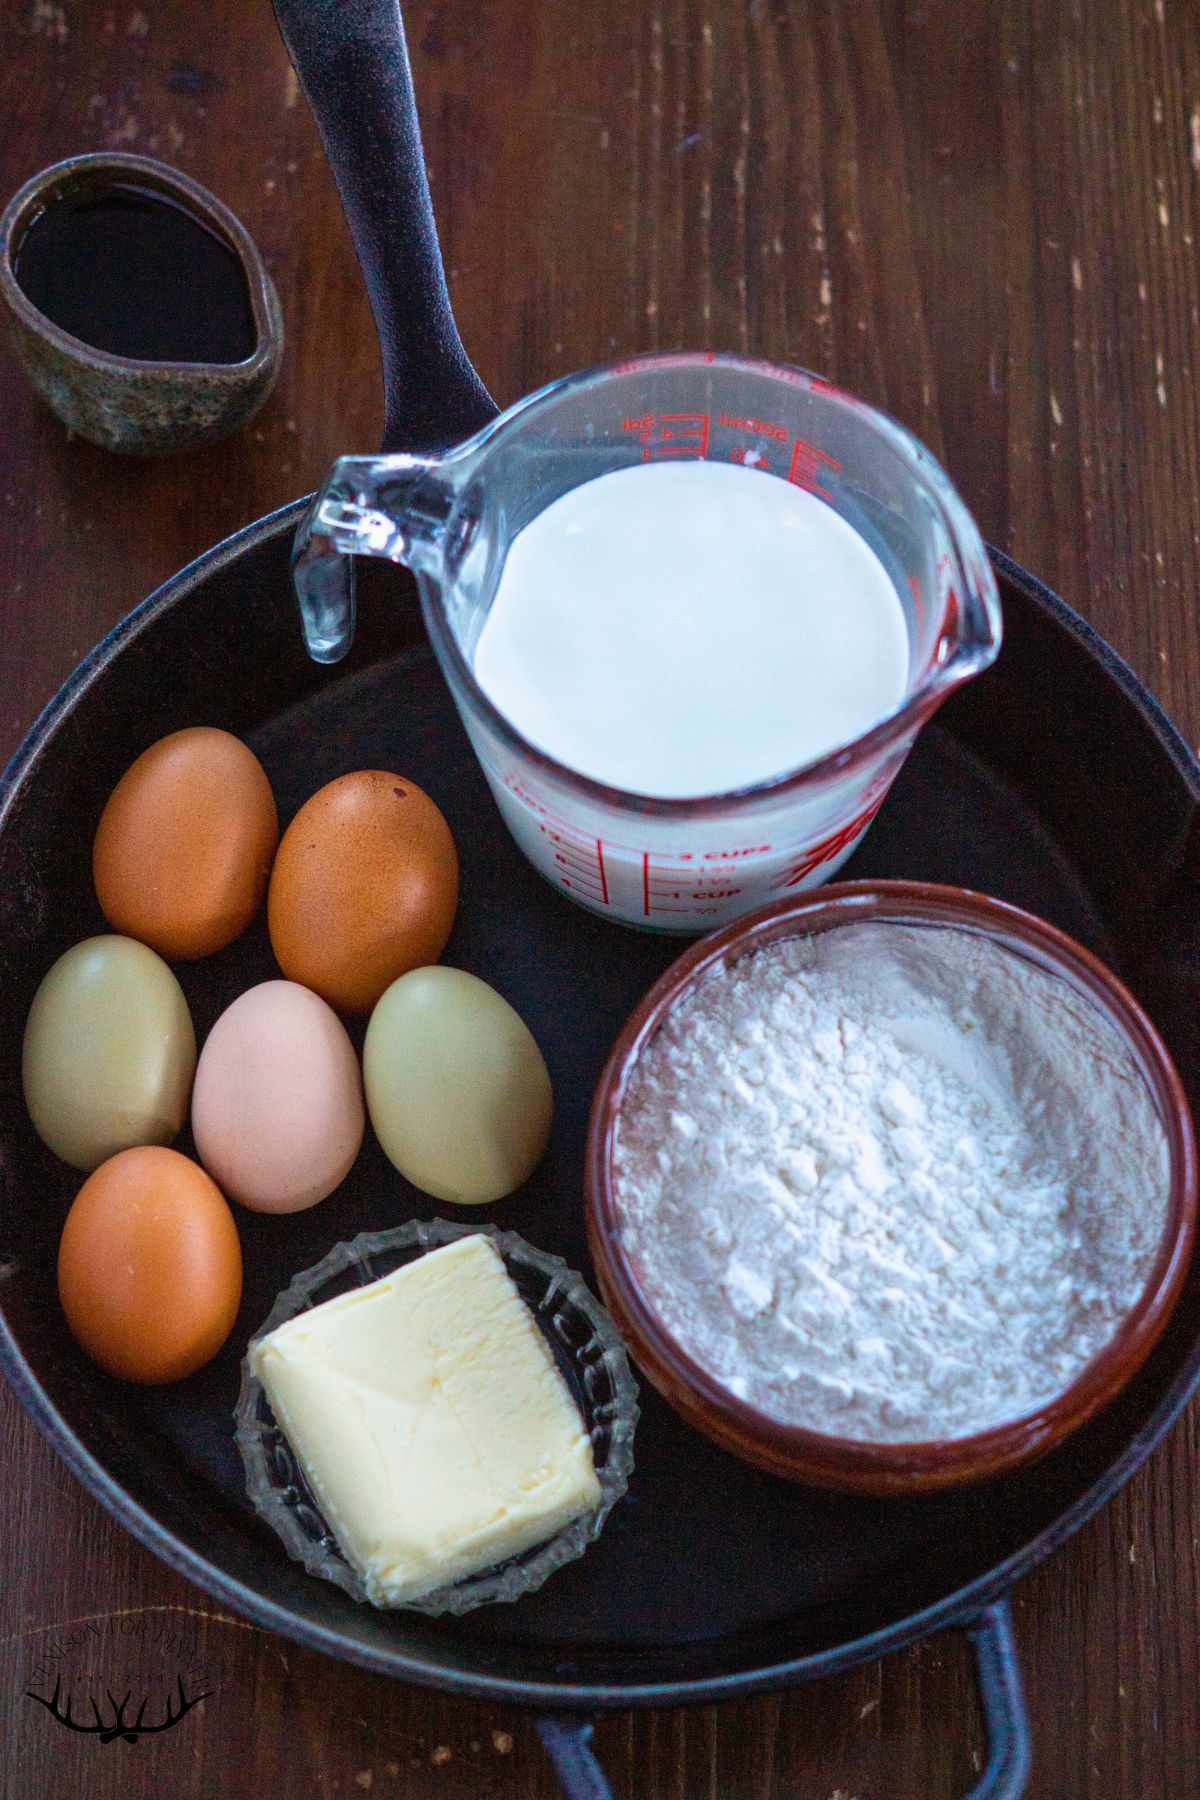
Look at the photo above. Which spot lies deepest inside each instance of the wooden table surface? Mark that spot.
(980, 214)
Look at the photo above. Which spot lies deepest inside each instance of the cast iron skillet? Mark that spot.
(1053, 781)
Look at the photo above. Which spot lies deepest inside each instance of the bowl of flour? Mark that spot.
(891, 1187)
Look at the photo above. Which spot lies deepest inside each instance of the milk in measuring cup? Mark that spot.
(684, 628)
(681, 629)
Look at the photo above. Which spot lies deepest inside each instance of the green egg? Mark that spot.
(109, 1052)
(457, 1089)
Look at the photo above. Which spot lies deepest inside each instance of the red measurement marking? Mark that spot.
(670, 359)
(582, 846)
(781, 372)
(580, 858)
(667, 884)
(517, 788)
(762, 427)
(950, 611)
(674, 887)
(581, 863)
(943, 577)
(829, 847)
(914, 588)
(818, 385)
(666, 435)
(575, 863)
(807, 463)
(754, 460)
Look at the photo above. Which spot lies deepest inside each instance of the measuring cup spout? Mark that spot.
(972, 626)
(397, 507)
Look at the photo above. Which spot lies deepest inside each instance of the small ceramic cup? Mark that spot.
(142, 408)
(855, 1464)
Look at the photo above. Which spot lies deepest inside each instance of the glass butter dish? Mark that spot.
(586, 1348)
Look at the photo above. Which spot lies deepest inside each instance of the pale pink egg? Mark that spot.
(277, 1108)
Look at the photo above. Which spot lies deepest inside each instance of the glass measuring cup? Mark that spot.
(675, 865)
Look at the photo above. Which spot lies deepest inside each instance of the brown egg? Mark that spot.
(184, 846)
(149, 1266)
(363, 889)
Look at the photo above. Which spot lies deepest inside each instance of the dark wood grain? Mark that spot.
(979, 213)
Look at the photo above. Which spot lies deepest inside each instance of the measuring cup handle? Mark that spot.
(352, 60)
(568, 1741)
(397, 507)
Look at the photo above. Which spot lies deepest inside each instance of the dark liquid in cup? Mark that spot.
(134, 273)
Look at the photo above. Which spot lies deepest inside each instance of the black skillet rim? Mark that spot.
(953, 1609)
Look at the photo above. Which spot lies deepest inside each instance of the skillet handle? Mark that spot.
(352, 60)
(998, 1676)
(568, 1744)
(568, 1741)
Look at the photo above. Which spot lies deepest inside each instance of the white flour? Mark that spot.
(890, 1182)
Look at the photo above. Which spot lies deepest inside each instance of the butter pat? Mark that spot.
(432, 1425)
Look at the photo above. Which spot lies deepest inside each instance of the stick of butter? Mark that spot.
(432, 1425)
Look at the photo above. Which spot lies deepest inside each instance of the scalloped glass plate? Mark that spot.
(587, 1349)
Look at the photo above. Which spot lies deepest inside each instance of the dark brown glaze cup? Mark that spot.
(138, 406)
(851, 1464)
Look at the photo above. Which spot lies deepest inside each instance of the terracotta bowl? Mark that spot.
(135, 405)
(852, 1464)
